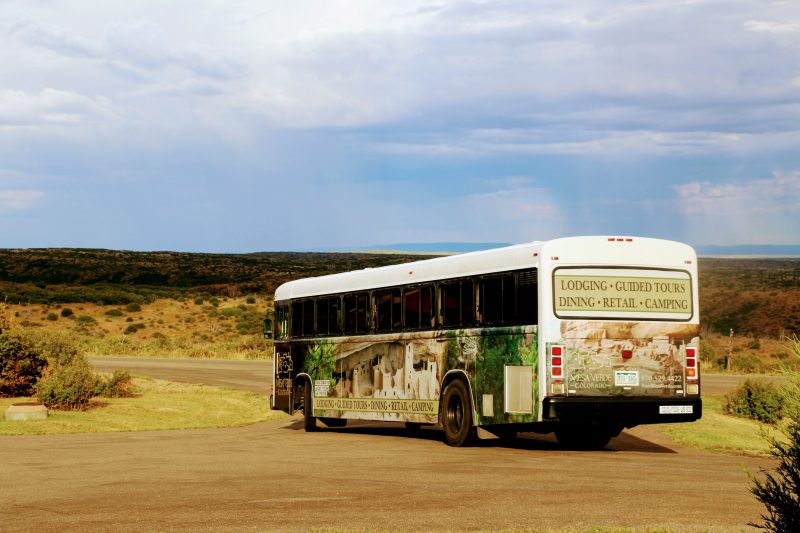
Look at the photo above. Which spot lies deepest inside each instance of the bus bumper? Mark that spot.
(627, 412)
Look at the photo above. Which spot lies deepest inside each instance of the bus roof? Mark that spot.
(647, 251)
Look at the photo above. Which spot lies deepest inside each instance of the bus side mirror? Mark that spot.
(267, 328)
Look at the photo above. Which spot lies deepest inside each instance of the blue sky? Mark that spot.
(242, 126)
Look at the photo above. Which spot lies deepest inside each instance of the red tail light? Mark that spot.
(691, 363)
(627, 354)
(557, 362)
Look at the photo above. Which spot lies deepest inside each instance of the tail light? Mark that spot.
(691, 364)
(557, 368)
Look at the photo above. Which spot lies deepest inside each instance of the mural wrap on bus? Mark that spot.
(398, 377)
(595, 366)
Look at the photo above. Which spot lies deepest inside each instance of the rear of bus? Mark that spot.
(619, 336)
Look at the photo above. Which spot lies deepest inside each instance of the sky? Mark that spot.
(242, 126)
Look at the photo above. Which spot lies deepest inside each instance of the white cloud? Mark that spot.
(771, 26)
(49, 107)
(18, 199)
(764, 210)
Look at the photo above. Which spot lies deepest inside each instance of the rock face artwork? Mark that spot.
(399, 379)
(396, 380)
(656, 352)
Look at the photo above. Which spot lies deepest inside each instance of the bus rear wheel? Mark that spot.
(457, 414)
(309, 421)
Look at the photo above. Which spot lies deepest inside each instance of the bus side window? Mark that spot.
(426, 308)
(411, 306)
(361, 312)
(383, 307)
(334, 321)
(282, 321)
(397, 313)
(308, 318)
(451, 304)
(322, 316)
(467, 302)
(297, 319)
(492, 300)
(527, 297)
(350, 314)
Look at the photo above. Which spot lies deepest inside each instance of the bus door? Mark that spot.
(284, 372)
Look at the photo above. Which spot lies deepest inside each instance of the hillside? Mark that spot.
(211, 304)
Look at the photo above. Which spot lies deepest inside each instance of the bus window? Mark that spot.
(467, 303)
(426, 308)
(361, 318)
(322, 316)
(334, 325)
(350, 314)
(451, 304)
(297, 319)
(498, 300)
(308, 317)
(527, 297)
(383, 306)
(281, 322)
(411, 304)
(397, 313)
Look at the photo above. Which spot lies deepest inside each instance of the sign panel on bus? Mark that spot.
(622, 292)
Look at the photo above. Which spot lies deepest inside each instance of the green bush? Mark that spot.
(133, 307)
(21, 365)
(251, 299)
(114, 312)
(747, 362)
(52, 317)
(779, 490)
(756, 399)
(199, 300)
(67, 386)
(85, 320)
(133, 328)
(66, 312)
(118, 385)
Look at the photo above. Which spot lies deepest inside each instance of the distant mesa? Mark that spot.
(776, 250)
(418, 247)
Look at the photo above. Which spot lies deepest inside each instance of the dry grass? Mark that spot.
(165, 328)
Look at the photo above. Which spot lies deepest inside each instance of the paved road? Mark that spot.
(257, 375)
(274, 476)
(247, 375)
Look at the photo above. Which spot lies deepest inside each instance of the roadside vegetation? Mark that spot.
(154, 405)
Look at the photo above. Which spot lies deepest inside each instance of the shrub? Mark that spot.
(133, 307)
(747, 362)
(780, 491)
(52, 317)
(66, 312)
(133, 328)
(251, 299)
(85, 320)
(199, 300)
(755, 399)
(21, 365)
(129, 319)
(118, 385)
(67, 386)
(114, 312)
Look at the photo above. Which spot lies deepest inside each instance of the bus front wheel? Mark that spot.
(309, 421)
(457, 414)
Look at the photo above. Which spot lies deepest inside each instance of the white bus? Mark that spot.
(581, 336)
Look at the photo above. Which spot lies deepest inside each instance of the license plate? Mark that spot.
(626, 378)
(675, 409)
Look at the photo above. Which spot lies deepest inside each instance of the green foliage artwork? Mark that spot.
(320, 361)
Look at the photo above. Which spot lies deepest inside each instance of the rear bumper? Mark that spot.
(625, 412)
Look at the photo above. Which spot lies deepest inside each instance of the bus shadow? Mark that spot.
(625, 442)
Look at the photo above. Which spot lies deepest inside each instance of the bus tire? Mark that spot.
(457, 414)
(309, 421)
(334, 422)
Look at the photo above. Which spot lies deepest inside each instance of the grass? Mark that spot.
(159, 405)
(720, 432)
